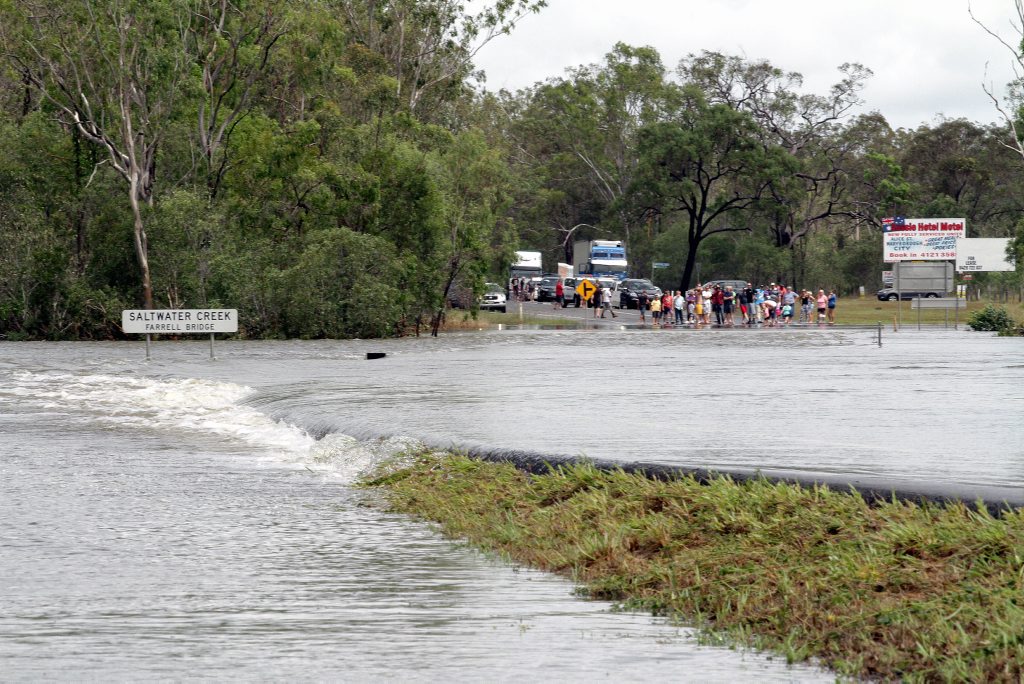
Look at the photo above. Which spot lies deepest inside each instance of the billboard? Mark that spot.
(921, 239)
(982, 254)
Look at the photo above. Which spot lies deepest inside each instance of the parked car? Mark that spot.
(494, 298)
(570, 284)
(630, 289)
(889, 294)
(546, 289)
(736, 285)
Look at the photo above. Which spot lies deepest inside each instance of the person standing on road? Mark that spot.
(666, 308)
(728, 304)
(831, 307)
(656, 310)
(789, 297)
(718, 304)
(596, 300)
(751, 295)
(822, 302)
(606, 297)
(641, 306)
(805, 306)
(559, 295)
(678, 302)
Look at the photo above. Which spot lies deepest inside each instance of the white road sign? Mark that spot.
(179, 321)
(982, 254)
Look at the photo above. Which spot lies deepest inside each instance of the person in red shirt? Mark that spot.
(718, 304)
(666, 307)
(559, 294)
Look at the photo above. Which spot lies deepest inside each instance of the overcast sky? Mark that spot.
(928, 57)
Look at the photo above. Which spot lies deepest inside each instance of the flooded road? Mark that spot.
(195, 518)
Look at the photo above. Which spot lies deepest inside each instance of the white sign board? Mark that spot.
(930, 239)
(982, 254)
(179, 321)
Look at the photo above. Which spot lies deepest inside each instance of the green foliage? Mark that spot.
(329, 169)
(991, 318)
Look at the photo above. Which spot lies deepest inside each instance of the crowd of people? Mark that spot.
(774, 305)
(770, 306)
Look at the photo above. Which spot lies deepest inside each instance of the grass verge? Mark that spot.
(917, 592)
(868, 311)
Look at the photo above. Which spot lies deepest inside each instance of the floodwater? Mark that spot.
(189, 518)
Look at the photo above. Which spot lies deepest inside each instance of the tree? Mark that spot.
(232, 42)
(580, 132)
(805, 125)
(112, 70)
(474, 187)
(704, 166)
(430, 44)
(1010, 108)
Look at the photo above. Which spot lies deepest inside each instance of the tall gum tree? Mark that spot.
(583, 128)
(112, 70)
(805, 125)
(430, 45)
(704, 167)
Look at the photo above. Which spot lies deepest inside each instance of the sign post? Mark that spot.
(179, 321)
(586, 290)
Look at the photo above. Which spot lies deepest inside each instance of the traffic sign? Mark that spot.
(661, 264)
(586, 290)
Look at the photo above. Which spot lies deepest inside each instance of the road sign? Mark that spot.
(177, 321)
(586, 289)
(661, 264)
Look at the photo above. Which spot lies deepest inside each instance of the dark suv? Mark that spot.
(630, 289)
(889, 294)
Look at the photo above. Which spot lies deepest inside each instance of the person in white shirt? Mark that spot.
(606, 301)
(679, 303)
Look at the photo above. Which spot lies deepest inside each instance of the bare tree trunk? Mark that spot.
(141, 244)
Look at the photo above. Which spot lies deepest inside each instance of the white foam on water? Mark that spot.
(177, 406)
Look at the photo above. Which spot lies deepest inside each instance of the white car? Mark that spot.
(494, 298)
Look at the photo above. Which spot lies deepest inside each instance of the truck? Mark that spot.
(527, 265)
(600, 258)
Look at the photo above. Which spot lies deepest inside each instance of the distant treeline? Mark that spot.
(332, 168)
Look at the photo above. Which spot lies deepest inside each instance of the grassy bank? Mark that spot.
(869, 311)
(894, 591)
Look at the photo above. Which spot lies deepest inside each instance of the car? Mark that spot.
(570, 284)
(494, 298)
(630, 289)
(889, 294)
(736, 285)
(546, 289)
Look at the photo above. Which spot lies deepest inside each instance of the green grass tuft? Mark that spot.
(917, 592)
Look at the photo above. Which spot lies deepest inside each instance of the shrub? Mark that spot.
(992, 318)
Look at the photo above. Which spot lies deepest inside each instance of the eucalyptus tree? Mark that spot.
(429, 45)
(807, 126)
(580, 133)
(113, 71)
(1010, 104)
(232, 43)
(704, 167)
